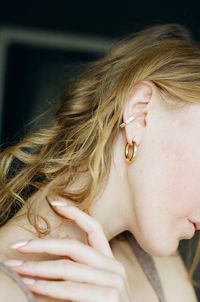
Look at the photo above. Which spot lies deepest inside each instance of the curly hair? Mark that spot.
(80, 138)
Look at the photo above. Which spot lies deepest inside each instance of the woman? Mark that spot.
(120, 157)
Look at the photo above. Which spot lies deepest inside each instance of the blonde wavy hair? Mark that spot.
(85, 127)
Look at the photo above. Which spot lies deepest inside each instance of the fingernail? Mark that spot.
(28, 281)
(59, 203)
(13, 262)
(18, 244)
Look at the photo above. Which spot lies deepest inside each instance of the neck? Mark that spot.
(113, 209)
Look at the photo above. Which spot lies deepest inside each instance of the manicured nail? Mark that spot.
(58, 203)
(18, 244)
(28, 281)
(13, 262)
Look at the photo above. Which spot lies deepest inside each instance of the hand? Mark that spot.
(86, 273)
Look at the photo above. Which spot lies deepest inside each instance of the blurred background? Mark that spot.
(44, 43)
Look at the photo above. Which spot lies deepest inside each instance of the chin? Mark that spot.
(160, 248)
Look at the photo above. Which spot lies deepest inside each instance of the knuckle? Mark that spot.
(96, 226)
(121, 269)
(62, 261)
(113, 295)
(63, 265)
(119, 282)
(42, 285)
(92, 221)
(70, 244)
(33, 267)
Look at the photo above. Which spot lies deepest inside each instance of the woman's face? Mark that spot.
(166, 174)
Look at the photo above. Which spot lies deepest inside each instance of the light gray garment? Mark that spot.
(18, 280)
(148, 266)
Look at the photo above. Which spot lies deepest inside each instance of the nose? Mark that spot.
(195, 219)
(197, 225)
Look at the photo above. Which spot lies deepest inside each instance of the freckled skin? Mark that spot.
(169, 176)
(156, 195)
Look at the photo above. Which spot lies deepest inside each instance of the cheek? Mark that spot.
(164, 193)
(179, 183)
(169, 175)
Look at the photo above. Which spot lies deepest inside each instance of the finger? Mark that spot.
(95, 233)
(71, 248)
(76, 292)
(68, 270)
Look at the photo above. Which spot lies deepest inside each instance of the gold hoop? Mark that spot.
(128, 158)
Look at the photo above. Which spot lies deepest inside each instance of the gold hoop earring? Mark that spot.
(130, 158)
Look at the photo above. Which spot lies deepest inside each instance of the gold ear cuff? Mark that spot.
(130, 119)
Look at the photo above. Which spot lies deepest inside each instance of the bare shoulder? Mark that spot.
(9, 290)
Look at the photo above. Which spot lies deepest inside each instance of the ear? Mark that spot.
(137, 105)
